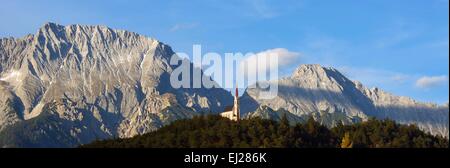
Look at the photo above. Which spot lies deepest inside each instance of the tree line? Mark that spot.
(212, 131)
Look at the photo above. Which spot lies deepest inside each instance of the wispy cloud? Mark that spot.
(261, 63)
(391, 79)
(262, 8)
(431, 81)
(284, 56)
(398, 32)
(323, 49)
(376, 77)
(393, 40)
(182, 26)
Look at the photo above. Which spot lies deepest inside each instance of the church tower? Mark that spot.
(233, 112)
(236, 111)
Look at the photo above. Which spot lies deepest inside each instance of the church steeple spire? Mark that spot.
(237, 93)
(233, 113)
(236, 111)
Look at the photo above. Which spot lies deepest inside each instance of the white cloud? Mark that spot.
(431, 81)
(253, 66)
(377, 77)
(180, 26)
(284, 56)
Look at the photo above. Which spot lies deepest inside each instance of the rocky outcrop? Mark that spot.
(330, 97)
(104, 82)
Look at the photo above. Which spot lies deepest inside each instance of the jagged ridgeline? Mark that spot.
(70, 85)
(332, 98)
(218, 132)
(99, 82)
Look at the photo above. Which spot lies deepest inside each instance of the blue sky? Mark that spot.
(401, 46)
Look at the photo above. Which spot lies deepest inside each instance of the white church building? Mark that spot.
(232, 112)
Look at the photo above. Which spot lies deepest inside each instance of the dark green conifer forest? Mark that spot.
(217, 132)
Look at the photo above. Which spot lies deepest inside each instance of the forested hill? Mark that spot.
(218, 132)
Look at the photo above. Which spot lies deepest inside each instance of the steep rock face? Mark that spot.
(10, 107)
(111, 83)
(330, 97)
(429, 117)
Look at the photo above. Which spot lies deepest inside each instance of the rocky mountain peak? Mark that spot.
(313, 89)
(107, 82)
(316, 71)
(307, 70)
(50, 26)
(92, 35)
(314, 76)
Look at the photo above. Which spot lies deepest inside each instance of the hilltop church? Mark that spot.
(232, 112)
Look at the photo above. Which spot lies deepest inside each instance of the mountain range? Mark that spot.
(70, 85)
(328, 96)
(94, 83)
